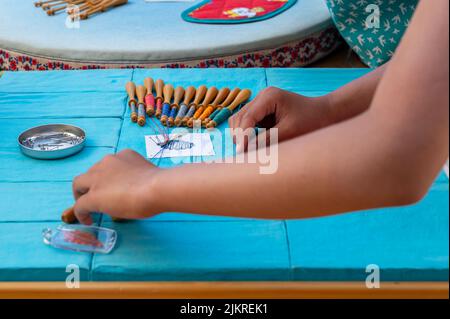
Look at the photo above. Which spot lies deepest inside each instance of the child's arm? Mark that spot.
(387, 155)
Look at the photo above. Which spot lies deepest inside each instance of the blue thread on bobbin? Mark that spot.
(166, 109)
(182, 111)
(191, 111)
(173, 112)
(213, 114)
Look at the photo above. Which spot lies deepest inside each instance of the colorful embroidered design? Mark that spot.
(373, 29)
(236, 11)
(294, 54)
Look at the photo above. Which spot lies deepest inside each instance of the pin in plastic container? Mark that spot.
(81, 238)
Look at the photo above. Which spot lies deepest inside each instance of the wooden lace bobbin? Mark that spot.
(68, 217)
(221, 96)
(226, 112)
(210, 95)
(230, 98)
(179, 93)
(42, 3)
(168, 93)
(149, 98)
(140, 92)
(132, 103)
(188, 96)
(159, 87)
(199, 95)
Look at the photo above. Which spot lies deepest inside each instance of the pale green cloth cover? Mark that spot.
(373, 29)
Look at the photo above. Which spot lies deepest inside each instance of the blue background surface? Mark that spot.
(408, 243)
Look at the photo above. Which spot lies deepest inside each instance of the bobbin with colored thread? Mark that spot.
(188, 95)
(225, 113)
(179, 93)
(223, 93)
(159, 87)
(168, 93)
(140, 92)
(210, 95)
(149, 98)
(199, 95)
(68, 216)
(131, 90)
(230, 98)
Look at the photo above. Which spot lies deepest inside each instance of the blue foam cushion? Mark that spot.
(312, 82)
(16, 167)
(64, 82)
(24, 257)
(34, 201)
(407, 243)
(254, 250)
(61, 105)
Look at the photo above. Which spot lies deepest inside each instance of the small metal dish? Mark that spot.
(52, 141)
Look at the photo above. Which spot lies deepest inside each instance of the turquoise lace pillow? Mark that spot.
(372, 28)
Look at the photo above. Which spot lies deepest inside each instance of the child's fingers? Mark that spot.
(83, 208)
(234, 120)
(81, 185)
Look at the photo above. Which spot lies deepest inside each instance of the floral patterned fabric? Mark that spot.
(297, 53)
(372, 28)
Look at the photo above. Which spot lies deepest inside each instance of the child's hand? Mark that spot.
(290, 113)
(119, 185)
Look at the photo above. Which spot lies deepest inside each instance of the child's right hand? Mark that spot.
(292, 114)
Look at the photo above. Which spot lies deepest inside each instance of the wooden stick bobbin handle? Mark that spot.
(149, 98)
(159, 86)
(140, 92)
(168, 93)
(131, 90)
(179, 93)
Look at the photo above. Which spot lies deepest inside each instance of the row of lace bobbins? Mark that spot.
(230, 98)
(221, 96)
(209, 97)
(226, 112)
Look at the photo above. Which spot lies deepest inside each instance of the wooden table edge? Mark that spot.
(224, 290)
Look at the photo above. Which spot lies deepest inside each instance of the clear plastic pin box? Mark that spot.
(80, 238)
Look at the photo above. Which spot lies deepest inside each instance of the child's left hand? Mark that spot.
(119, 185)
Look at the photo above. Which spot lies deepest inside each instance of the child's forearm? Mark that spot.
(326, 172)
(353, 98)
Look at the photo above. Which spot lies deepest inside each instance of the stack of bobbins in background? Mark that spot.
(183, 107)
(78, 9)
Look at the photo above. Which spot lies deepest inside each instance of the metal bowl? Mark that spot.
(52, 141)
